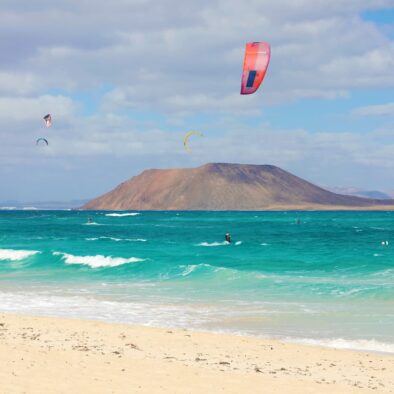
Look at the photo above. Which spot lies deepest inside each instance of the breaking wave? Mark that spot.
(117, 239)
(224, 243)
(98, 261)
(120, 215)
(16, 255)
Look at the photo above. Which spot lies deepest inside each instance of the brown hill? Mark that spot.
(222, 186)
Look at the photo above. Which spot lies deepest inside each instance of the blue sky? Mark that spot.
(380, 17)
(124, 82)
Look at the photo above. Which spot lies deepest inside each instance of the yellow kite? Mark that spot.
(187, 137)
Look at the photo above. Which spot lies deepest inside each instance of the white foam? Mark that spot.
(348, 292)
(16, 255)
(384, 273)
(120, 215)
(80, 302)
(87, 306)
(98, 261)
(92, 224)
(117, 239)
(356, 344)
(224, 243)
(193, 267)
(189, 269)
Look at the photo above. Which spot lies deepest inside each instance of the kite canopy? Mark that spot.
(48, 120)
(42, 140)
(257, 58)
(187, 136)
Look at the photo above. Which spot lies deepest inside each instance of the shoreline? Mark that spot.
(50, 354)
(358, 345)
(270, 209)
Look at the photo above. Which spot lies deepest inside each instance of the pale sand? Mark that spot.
(52, 355)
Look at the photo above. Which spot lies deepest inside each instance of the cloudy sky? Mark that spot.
(125, 80)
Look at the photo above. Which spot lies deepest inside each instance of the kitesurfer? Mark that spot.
(227, 238)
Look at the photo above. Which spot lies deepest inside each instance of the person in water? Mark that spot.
(89, 220)
(227, 238)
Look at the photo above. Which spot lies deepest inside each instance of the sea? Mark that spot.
(322, 278)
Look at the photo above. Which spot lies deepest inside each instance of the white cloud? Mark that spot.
(113, 148)
(181, 60)
(225, 140)
(155, 57)
(34, 108)
(19, 84)
(375, 110)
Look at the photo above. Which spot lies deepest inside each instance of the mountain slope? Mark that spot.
(222, 186)
(352, 191)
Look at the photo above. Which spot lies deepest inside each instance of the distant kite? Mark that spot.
(42, 140)
(187, 138)
(257, 58)
(48, 120)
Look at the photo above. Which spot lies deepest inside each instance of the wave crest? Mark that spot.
(117, 239)
(16, 255)
(120, 215)
(224, 243)
(97, 261)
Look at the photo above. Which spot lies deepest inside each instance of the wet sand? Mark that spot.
(53, 355)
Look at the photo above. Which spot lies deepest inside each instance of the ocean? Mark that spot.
(327, 280)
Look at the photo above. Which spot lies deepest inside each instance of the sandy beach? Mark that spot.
(53, 355)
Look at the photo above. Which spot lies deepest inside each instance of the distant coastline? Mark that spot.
(12, 205)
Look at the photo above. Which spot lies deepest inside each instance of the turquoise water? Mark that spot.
(327, 280)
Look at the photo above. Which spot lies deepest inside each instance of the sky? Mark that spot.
(125, 80)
